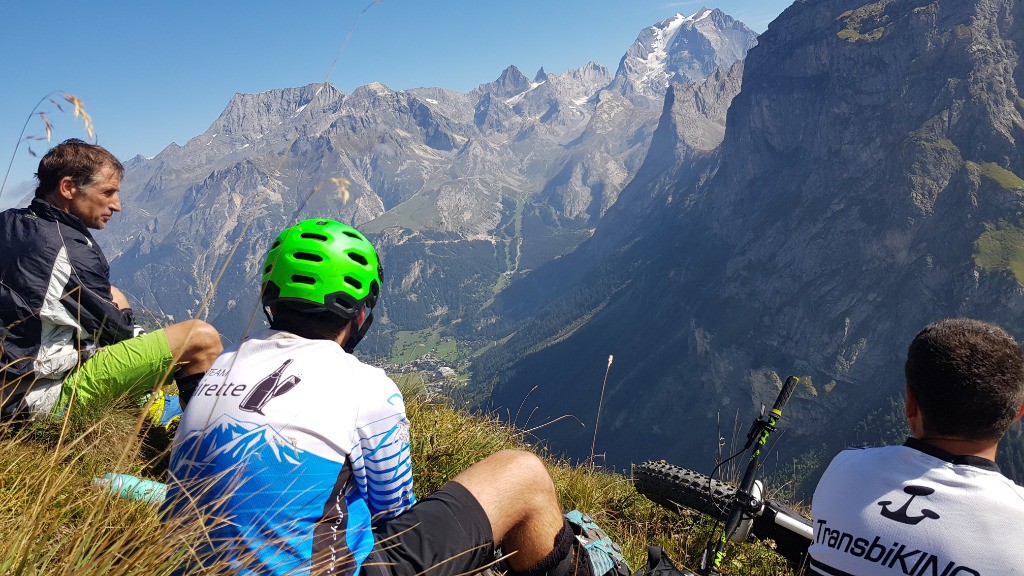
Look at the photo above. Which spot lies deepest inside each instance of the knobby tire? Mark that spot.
(677, 489)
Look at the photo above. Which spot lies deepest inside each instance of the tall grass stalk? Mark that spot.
(600, 404)
(78, 110)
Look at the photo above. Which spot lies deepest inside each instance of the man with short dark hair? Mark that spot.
(303, 450)
(66, 333)
(937, 504)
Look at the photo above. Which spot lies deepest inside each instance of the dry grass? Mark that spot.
(447, 441)
(54, 521)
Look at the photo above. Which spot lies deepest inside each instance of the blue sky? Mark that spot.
(154, 73)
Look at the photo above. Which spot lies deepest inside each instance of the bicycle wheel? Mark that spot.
(677, 488)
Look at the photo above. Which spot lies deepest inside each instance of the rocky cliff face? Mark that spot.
(869, 182)
(463, 190)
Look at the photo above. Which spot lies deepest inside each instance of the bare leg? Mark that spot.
(119, 298)
(194, 345)
(517, 494)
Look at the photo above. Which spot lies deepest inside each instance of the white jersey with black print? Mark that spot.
(300, 446)
(916, 510)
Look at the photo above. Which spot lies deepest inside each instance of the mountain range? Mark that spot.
(462, 192)
(868, 182)
(721, 212)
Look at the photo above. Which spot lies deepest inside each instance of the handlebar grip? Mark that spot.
(787, 391)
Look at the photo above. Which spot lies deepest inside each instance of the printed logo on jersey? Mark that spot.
(227, 439)
(898, 557)
(902, 514)
(270, 387)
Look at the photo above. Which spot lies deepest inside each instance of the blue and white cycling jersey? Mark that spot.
(296, 447)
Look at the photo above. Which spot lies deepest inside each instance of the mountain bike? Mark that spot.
(742, 510)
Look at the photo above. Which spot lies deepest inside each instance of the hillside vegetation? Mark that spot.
(53, 521)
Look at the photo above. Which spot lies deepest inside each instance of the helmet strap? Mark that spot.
(356, 334)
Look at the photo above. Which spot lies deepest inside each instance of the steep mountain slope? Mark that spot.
(869, 181)
(463, 191)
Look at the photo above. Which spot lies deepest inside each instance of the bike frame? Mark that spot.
(745, 502)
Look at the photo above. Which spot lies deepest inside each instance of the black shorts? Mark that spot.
(445, 534)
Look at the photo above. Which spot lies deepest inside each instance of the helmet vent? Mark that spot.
(268, 268)
(314, 236)
(357, 258)
(275, 244)
(352, 234)
(303, 279)
(353, 282)
(308, 256)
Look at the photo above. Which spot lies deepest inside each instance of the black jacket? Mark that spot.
(54, 293)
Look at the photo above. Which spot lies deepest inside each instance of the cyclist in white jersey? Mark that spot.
(937, 505)
(301, 452)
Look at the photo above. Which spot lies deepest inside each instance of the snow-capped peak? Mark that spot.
(701, 14)
(679, 18)
(682, 49)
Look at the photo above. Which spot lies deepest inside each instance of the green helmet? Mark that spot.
(323, 263)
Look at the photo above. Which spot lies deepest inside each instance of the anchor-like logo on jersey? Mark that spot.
(901, 515)
(270, 387)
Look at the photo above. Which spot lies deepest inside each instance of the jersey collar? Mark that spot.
(967, 460)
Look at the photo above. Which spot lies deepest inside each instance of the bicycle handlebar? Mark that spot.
(786, 393)
(758, 434)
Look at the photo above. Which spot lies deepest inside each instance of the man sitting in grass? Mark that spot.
(66, 334)
(303, 450)
(937, 504)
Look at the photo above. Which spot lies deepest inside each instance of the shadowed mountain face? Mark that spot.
(869, 182)
(460, 191)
